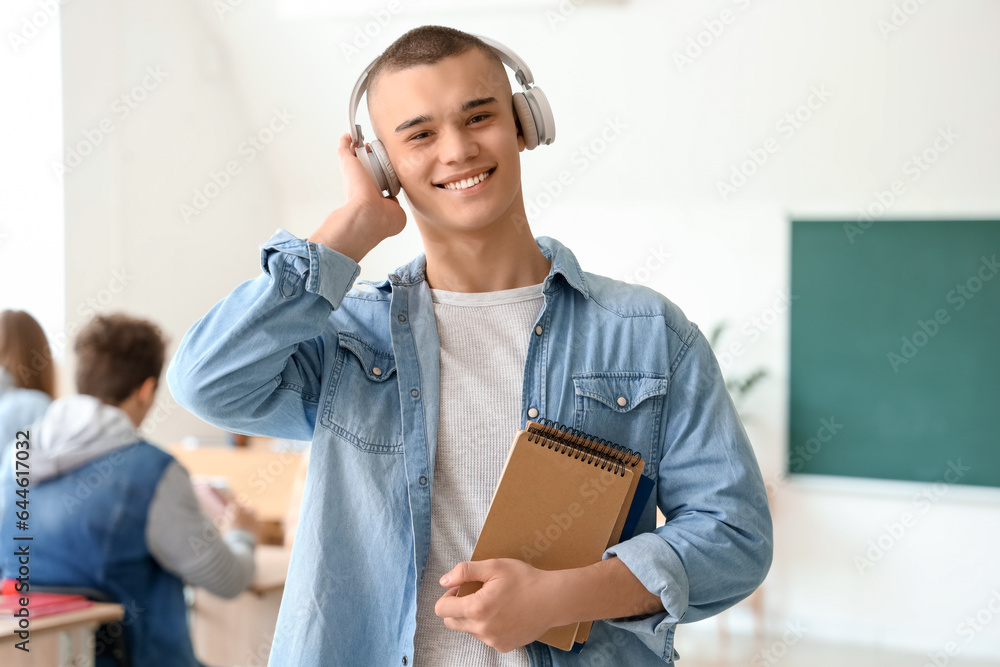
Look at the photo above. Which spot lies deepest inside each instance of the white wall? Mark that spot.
(670, 134)
(32, 266)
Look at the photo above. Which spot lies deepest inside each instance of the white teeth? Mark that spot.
(467, 183)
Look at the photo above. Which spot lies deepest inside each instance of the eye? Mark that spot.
(419, 135)
(481, 115)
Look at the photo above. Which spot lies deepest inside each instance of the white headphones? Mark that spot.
(531, 108)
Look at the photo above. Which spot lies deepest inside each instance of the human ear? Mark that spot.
(147, 390)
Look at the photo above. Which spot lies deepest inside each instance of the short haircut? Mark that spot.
(115, 355)
(25, 352)
(426, 45)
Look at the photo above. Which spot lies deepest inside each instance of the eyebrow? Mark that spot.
(424, 118)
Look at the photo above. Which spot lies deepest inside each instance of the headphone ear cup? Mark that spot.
(541, 113)
(392, 182)
(527, 120)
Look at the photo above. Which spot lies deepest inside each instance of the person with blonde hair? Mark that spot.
(27, 376)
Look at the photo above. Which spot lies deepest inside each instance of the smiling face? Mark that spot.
(450, 134)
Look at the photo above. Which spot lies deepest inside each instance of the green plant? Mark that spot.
(738, 387)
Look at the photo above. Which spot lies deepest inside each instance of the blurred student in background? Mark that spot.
(112, 512)
(27, 376)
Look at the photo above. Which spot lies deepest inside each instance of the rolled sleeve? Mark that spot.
(254, 363)
(658, 568)
(328, 273)
(716, 545)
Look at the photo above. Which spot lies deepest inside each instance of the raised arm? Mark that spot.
(254, 363)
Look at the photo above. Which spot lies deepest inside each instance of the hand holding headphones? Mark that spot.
(531, 109)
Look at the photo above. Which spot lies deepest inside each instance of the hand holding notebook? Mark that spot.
(562, 500)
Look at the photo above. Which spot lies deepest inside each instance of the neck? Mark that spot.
(134, 409)
(501, 255)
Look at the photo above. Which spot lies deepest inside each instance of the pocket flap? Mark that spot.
(621, 390)
(377, 365)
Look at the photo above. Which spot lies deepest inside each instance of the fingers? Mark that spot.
(450, 605)
(345, 141)
(344, 148)
(466, 571)
(459, 624)
(448, 609)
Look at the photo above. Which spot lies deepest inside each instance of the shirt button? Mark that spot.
(532, 413)
(402, 318)
(404, 659)
(423, 482)
(538, 330)
(377, 371)
(621, 401)
(414, 393)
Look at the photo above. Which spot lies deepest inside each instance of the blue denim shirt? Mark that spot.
(300, 353)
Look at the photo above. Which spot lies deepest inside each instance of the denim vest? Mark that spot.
(299, 352)
(89, 530)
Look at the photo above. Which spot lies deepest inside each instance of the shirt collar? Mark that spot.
(562, 258)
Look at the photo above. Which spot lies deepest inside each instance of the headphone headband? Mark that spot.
(360, 86)
(531, 110)
(521, 72)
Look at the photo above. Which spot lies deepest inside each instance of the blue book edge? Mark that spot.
(642, 492)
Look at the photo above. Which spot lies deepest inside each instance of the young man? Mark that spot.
(412, 388)
(111, 512)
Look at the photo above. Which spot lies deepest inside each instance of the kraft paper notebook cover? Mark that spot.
(635, 500)
(561, 501)
(632, 498)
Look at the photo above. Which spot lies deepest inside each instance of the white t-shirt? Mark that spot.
(484, 340)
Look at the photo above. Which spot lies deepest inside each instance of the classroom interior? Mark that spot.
(690, 136)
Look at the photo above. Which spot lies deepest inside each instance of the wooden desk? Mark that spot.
(63, 640)
(239, 631)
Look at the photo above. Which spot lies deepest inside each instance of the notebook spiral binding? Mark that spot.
(596, 451)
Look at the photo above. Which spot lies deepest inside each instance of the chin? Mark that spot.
(467, 218)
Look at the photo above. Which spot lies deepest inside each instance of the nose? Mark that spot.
(457, 145)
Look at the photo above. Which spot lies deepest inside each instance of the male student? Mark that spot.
(111, 512)
(412, 388)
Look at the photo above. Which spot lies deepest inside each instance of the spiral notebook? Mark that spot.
(563, 498)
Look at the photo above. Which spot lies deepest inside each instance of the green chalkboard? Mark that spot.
(895, 350)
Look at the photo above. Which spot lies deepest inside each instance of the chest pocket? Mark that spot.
(624, 407)
(362, 404)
